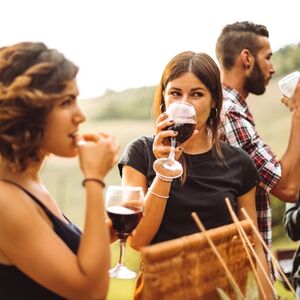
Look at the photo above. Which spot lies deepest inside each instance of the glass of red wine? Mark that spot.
(124, 207)
(184, 116)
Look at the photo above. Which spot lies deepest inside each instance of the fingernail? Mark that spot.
(175, 132)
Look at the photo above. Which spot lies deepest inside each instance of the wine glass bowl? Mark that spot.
(185, 130)
(124, 219)
(183, 115)
(124, 207)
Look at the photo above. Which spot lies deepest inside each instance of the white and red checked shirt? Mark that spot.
(238, 129)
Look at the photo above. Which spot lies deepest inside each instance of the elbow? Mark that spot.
(136, 243)
(91, 293)
(292, 233)
(289, 194)
(293, 237)
(99, 291)
(97, 288)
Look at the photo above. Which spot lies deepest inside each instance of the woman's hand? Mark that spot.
(98, 153)
(112, 232)
(161, 145)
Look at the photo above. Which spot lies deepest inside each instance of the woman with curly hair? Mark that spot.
(42, 254)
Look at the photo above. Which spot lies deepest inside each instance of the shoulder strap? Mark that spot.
(34, 198)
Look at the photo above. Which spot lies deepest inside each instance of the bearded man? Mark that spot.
(244, 54)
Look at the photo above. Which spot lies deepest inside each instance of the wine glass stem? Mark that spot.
(173, 146)
(122, 251)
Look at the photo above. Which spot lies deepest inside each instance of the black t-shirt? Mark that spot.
(208, 183)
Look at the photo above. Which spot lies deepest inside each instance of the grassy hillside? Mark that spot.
(135, 103)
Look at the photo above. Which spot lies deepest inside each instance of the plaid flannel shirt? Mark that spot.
(238, 129)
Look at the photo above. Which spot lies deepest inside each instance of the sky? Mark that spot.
(122, 44)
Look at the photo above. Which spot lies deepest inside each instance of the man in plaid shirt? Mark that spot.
(244, 53)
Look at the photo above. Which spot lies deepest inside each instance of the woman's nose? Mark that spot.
(184, 98)
(79, 116)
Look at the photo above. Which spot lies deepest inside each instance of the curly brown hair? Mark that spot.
(32, 78)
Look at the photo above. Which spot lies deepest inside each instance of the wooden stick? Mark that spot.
(245, 240)
(268, 250)
(216, 252)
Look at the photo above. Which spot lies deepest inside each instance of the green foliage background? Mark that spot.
(287, 59)
(127, 115)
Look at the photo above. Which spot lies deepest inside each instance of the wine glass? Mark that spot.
(124, 207)
(184, 116)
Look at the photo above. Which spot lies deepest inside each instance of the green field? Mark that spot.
(63, 177)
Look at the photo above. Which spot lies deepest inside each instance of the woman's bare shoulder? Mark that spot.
(15, 204)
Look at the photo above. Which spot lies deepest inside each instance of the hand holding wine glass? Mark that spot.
(183, 115)
(124, 207)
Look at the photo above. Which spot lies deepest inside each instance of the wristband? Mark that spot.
(99, 181)
(164, 178)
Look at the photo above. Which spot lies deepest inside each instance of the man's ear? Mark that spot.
(247, 58)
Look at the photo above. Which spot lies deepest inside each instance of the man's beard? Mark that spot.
(255, 83)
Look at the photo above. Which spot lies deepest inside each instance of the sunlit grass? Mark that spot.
(122, 289)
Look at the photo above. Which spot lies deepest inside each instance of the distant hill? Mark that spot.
(135, 104)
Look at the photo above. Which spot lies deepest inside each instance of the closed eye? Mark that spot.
(67, 102)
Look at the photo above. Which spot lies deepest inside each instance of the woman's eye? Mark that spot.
(66, 102)
(175, 94)
(198, 94)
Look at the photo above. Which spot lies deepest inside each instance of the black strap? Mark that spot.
(34, 198)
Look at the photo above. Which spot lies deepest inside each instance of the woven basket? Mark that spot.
(186, 268)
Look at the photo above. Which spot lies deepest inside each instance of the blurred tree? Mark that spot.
(287, 59)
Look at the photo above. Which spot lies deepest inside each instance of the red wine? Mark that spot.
(124, 219)
(185, 130)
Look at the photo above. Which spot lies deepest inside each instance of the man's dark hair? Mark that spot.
(236, 37)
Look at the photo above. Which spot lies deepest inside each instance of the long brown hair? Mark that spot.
(207, 71)
(32, 78)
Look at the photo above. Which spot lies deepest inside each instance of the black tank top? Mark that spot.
(14, 284)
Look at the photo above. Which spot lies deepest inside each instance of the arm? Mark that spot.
(154, 206)
(289, 183)
(281, 178)
(248, 202)
(44, 256)
(291, 221)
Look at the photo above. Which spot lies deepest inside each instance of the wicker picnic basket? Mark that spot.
(186, 268)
